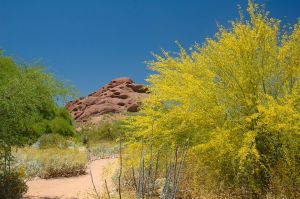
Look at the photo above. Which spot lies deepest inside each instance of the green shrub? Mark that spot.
(12, 185)
(62, 123)
(58, 121)
(52, 140)
(106, 131)
(51, 162)
(63, 164)
(104, 149)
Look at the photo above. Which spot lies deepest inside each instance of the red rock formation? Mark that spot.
(119, 96)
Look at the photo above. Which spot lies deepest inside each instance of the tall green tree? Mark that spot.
(29, 100)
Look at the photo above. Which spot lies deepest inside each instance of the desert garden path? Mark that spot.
(79, 187)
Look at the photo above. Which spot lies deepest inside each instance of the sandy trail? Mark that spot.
(78, 187)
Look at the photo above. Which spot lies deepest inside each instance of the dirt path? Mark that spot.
(79, 187)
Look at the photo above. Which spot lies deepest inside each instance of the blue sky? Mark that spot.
(90, 42)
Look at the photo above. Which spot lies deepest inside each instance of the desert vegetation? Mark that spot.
(221, 121)
(236, 99)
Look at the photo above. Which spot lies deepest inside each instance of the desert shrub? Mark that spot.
(103, 149)
(58, 121)
(12, 185)
(105, 131)
(61, 126)
(62, 123)
(52, 141)
(64, 164)
(51, 162)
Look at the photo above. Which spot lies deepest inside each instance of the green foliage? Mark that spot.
(109, 131)
(57, 124)
(237, 99)
(51, 162)
(62, 123)
(28, 108)
(61, 126)
(12, 185)
(28, 103)
(52, 141)
(103, 149)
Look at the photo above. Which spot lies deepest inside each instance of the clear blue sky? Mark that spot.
(89, 42)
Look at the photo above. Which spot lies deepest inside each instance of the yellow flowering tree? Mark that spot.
(236, 98)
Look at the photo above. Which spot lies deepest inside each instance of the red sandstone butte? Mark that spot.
(119, 96)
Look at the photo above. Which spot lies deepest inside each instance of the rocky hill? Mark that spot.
(113, 100)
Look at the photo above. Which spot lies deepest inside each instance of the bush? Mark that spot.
(52, 141)
(12, 185)
(104, 150)
(62, 123)
(63, 164)
(49, 163)
(58, 121)
(106, 131)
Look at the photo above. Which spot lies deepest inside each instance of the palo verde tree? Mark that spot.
(29, 106)
(236, 97)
